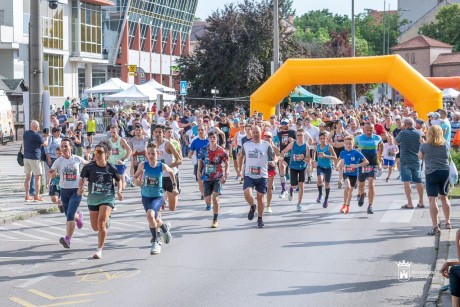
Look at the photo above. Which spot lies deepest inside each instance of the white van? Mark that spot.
(6, 120)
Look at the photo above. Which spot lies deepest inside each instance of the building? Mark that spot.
(85, 42)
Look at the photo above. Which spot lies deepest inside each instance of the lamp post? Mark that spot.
(353, 51)
(276, 45)
(214, 92)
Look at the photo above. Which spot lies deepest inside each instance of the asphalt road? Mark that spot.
(317, 257)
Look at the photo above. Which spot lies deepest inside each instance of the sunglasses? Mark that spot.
(206, 121)
(200, 129)
(99, 152)
(284, 124)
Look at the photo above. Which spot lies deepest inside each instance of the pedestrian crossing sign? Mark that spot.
(132, 69)
(183, 88)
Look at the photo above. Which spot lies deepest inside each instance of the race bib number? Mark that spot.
(140, 159)
(255, 170)
(367, 169)
(115, 151)
(391, 153)
(298, 157)
(209, 169)
(101, 188)
(70, 175)
(349, 169)
(340, 138)
(151, 181)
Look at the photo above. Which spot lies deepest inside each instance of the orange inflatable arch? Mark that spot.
(446, 82)
(391, 69)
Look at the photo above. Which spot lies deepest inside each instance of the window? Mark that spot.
(52, 24)
(412, 58)
(406, 57)
(56, 74)
(90, 28)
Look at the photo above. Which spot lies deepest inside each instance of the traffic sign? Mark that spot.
(132, 69)
(183, 88)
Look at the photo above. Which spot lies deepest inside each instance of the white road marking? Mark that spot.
(32, 281)
(394, 213)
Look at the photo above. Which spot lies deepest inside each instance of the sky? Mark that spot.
(341, 7)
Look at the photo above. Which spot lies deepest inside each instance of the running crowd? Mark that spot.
(356, 143)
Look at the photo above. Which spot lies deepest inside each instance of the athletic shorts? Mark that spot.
(437, 183)
(326, 172)
(54, 191)
(271, 173)
(352, 179)
(120, 168)
(368, 171)
(96, 207)
(90, 133)
(153, 203)
(297, 176)
(167, 184)
(259, 184)
(212, 186)
(390, 163)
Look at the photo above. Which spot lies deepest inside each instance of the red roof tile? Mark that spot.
(447, 58)
(420, 42)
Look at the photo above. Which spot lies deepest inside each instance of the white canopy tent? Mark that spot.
(113, 85)
(147, 88)
(330, 100)
(139, 93)
(450, 93)
(162, 88)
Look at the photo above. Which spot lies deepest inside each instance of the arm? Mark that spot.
(226, 171)
(81, 186)
(420, 155)
(240, 160)
(288, 148)
(173, 178)
(219, 132)
(139, 173)
(125, 145)
(176, 155)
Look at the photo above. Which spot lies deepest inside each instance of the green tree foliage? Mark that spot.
(447, 26)
(235, 53)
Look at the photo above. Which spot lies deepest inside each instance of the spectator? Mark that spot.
(455, 125)
(62, 118)
(33, 143)
(91, 128)
(454, 273)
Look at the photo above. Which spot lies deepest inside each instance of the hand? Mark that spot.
(120, 196)
(445, 270)
(223, 180)
(80, 191)
(139, 181)
(175, 192)
(272, 163)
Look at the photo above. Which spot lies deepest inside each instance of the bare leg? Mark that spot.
(270, 190)
(300, 195)
(248, 196)
(371, 186)
(260, 204)
(445, 207)
(433, 211)
(420, 193)
(104, 213)
(407, 191)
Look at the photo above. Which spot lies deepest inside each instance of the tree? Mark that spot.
(235, 53)
(447, 26)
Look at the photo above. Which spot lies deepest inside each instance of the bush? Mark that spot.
(455, 154)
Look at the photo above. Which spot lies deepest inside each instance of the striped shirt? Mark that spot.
(409, 141)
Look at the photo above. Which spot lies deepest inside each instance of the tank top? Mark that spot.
(324, 162)
(165, 157)
(296, 160)
(118, 151)
(139, 144)
(338, 137)
(152, 183)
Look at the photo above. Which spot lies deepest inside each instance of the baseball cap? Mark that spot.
(222, 115)
(397, 117)
(284, 121)
(435, 114)
(194, 123)
(268, 133)
(236, 120)
(420, 121)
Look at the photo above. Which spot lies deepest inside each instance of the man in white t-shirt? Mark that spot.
(146, 124)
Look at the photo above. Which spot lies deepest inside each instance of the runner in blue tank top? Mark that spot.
(300, 156)
(149, 176)
(325, 154)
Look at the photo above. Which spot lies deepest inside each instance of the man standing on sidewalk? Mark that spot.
(409, 140)
(33, 143)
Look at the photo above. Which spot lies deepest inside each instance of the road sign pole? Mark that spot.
(183, 104)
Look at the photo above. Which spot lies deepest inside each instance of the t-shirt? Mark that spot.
(91, 126)
(379, 129)
(68, 170)
(369, 147)
(409, 144)
(436, 157)
(32, 145)
(186, 120)
(324, 162)
(257, 156)
(284, 136)
(389, 151)
(100, 183)
(197, 144)
(62, 118)
(351, 157)
(212, 163)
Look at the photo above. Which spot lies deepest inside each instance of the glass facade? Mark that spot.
(52, 25)
(90, 25)
(56, 74)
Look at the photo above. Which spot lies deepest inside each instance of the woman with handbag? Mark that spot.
(435, 154)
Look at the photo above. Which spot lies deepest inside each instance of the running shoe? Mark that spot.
(208, 207)
(132, 184)
(241, 180)
(260, 224)
(252, 210)
(97, 255)
(344, 209)
(291, 192)
(202, 197)
(79, 219)
(282, 194)
(65, 241)
(156, 248)
(320, 198)
(299, 207)
(61, 208)
(215, 224)
(166, 236)
(268, 210)
(369, 210)
(325, 204)
(388, 178)
(361, 199)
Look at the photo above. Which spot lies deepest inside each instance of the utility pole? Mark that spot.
(35, 63)
(276, 47)
(353, 52)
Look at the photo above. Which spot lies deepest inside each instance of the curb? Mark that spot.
(28, 214)
(437, 281)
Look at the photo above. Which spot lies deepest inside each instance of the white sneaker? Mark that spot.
(156, 248)
(97, 255)
(299, 207)
(283, 194)
(268, 210)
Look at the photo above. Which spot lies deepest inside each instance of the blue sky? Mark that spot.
(342, 7)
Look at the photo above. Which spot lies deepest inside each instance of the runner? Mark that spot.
(325, 155)
(54, 188)
(212, 156)
(244, 139)
(258, 154)
(138, 143)
(268, 137)
(299, 159)
(225, 126)
(101, 192)
(336, 139)
(67, 166)
(350, 161)
(285, 136)
(120, 152)
(171, 157)
(195, 146)
(371, 147)
(237, 134)
(169, 135)
(149, 176)
(390, 150)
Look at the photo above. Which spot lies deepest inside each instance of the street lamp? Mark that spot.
(214, 92)
(353, 51)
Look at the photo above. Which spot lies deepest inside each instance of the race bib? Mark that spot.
(70, 174)
(115, 151)
(340, 138)
(151, 181)
(391, 153)
(210, 168)
(255, 170)
(101, 188)
(140, 159)
(298, 157)
(367, 169)
(349, 169)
